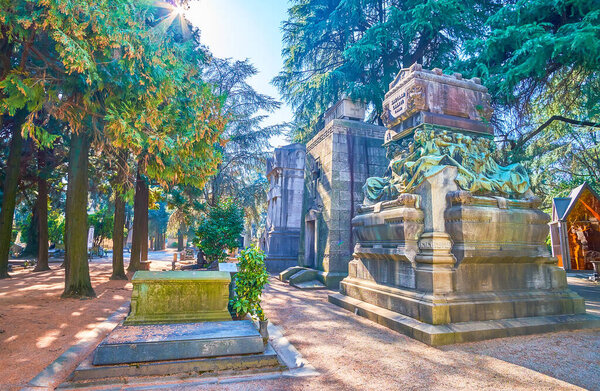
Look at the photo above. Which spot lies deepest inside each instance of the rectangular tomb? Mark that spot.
(179, 297)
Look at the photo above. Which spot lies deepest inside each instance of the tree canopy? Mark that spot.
(116, 75)
(337, 48)
(541, 59)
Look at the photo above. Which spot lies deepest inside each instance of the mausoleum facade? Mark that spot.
(280, 241)
(340, 157)
(450, 246)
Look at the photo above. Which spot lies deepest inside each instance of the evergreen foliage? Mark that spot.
(220, 230)
(118, 75)
(541, 58)
(240, 175)
(337, 48)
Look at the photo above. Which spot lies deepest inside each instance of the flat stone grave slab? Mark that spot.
(309, 285)
(179, 296)
(146, 343)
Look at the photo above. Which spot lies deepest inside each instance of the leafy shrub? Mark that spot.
(102, 221)
(56, 225)
(220, 230)
(250, 280)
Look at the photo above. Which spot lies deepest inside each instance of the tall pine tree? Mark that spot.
(336, 48)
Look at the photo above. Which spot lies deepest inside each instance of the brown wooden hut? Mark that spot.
(575, 228)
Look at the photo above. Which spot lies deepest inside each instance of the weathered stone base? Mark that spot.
(331, 279)
(465, 331)
(446, 308)
(179, 297)
(144, 343)
(305, 278)
(87, 373)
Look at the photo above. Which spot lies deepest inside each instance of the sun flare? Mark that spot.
(178, 10)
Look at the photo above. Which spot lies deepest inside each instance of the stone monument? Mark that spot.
(344, 153)
(179, 296)
(179, 325)
(285, 172)
(450, 246)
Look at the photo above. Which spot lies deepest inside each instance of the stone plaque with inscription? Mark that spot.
(447, 100)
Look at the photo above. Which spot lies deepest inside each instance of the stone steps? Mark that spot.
(290, 271)
(88, 375)
(451, 333)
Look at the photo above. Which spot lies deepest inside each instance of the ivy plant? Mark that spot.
(250, 280)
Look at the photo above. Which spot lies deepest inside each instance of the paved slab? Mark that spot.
(309, 285)
(228, 267)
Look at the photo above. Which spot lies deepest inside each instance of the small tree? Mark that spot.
(102, 221)
(220, 231)
(56, 226)
(250, 280)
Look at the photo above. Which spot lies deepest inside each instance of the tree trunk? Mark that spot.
(42, 208)
(118, 268)
(144, 222)
(77, 272)
(139, 244)
(11, 180)
(156, 241)
(31, 248)
(248, 233)
(180, 239)
(134, 257)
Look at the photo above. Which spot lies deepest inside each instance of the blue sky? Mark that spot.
(246, 29)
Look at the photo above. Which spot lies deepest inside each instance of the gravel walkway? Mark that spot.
(353, 353)
(350, 352)
(36, 326)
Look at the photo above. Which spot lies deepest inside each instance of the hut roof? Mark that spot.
(562, 206)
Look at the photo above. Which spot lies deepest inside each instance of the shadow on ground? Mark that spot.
(350, 352)
(353, 353)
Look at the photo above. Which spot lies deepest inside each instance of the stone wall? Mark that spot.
(285, 172)
(339, 160)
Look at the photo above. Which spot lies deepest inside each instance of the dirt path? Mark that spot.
(351, 352)
(37, 326)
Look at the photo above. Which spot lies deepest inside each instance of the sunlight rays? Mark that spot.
(174, 12)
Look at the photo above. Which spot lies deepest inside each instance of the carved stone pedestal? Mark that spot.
(444, 266)
(450, 246)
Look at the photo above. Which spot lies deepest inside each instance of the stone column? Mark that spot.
(434, 262)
